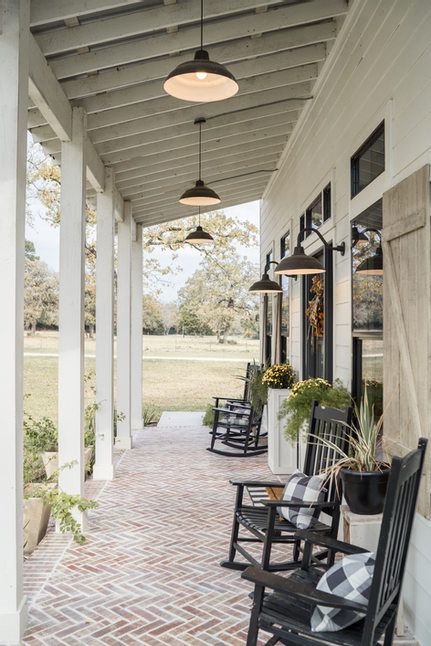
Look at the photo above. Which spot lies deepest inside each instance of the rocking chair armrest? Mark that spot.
(303, 503)
(331, 543)
(238, 400)
(257, 483)
(301, 590)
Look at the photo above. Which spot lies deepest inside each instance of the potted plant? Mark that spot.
(362, 469)
(41, 436)
(278, 379)
(36, 510)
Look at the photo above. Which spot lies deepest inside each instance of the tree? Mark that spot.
(217, 294)
(40, 295)
(152, 315)
(170, 317)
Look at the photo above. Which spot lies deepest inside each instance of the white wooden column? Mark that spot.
(136, 341)
(124, 328)
(13, 137)
(71, 310)
(103, 466)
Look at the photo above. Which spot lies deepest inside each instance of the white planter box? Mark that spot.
(36, 518)
(281, 452)
(50, 460)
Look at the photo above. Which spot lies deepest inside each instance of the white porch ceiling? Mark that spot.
(111, 57)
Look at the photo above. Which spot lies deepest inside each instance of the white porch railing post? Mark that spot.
(103, 466)
(13, 141)
(124, 327)
(136, 347)
(71, 310)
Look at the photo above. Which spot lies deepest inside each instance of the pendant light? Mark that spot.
(200, 194)
(201, 79)
(372, 266)
(359, 238)
(299, 263)
(265, 285)
(199, 235)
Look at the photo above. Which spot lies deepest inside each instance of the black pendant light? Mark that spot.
(200, 194)
(199, 235)
(372, 266)
(265, 285)
(299, 264)
(201, 79)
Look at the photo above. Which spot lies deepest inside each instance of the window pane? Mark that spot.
(372, 372)
(367, 289)
(369, 161)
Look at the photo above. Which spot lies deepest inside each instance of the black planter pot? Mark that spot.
(365, 491)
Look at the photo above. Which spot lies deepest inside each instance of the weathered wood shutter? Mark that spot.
(407, 318)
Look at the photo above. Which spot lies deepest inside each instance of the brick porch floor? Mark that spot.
(148, 573)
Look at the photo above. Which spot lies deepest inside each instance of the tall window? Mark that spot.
(285, 302)
(367, 309)
(368, 162)
(319, 210)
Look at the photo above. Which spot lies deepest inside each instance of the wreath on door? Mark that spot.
(315, 309)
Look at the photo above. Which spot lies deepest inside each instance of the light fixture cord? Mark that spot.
(202, 24)
(200, 150)
(199, 216)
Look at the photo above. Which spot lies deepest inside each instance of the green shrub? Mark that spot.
(208, 418)
(40, 434)
(297, 407)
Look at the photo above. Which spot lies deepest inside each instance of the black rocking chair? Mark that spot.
(261, 518)
(237, 428)
(285, 613)
(227, 402)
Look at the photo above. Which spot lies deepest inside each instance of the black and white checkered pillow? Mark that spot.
(302, 488)
(350, 578)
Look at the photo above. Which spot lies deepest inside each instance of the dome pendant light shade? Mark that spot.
(200, 195)
(201, 80)
(372, 266)
(199, 236)
(265, 286)
(299, 264)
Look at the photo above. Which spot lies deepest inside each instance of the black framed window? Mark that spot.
(285, 302)
(368, 162)
(319, 210)
(367, 310)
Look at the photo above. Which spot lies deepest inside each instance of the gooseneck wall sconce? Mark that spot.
(265, 285)
(372, 266)
(299, 263)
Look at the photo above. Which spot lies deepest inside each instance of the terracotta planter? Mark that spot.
(36, 518)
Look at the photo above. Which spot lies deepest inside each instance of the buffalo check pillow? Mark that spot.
(306, 489)
(350, 578)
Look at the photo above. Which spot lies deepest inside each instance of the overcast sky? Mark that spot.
(46, 240)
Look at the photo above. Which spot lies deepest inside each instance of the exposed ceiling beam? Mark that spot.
(148, 21)
(173, 191)
(213, 152)
(267, 46)
(154, 89)
(47, 95)
(263, 94)
(140, 165)
(215, 32)
(213, 177)
(45, 11)
(253, 119)
(230, 166)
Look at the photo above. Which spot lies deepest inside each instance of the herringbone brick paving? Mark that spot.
(148, 573)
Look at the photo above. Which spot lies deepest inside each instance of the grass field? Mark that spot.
(171, 382)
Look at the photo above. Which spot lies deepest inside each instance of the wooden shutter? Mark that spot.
(407, 318)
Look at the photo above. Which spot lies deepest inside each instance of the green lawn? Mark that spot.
(168, 384)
